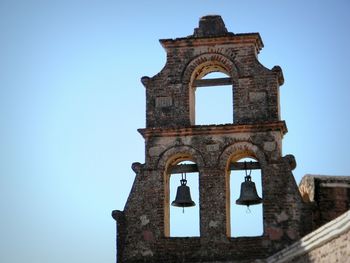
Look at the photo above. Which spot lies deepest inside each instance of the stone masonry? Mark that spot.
(171, 136)
(329, 195)
(327, 244)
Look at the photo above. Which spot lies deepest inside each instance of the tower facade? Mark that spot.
(172, 136)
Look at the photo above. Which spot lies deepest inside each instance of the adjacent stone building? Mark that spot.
(172, 136)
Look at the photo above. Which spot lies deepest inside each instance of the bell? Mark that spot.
(248, 195)
(183, 195)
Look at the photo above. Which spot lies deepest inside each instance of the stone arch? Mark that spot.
(173, 156)
(209, 62)
(240, 150)
(176, 154)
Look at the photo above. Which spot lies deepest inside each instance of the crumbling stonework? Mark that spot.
(329, 195)
(171, 136)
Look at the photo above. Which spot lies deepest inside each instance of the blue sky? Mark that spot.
(71, 100)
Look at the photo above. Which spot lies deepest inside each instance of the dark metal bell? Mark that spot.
(183, 195)
(248, 195)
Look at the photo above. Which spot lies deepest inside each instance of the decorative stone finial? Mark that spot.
(211, 25)
(136, 167)
(145, 80)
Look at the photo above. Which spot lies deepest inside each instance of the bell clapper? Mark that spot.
(248, 210)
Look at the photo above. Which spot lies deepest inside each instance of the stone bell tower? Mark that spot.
(171, 136)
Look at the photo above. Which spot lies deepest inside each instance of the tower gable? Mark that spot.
(172, 137)
(171, 94)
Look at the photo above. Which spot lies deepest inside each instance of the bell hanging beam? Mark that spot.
(192, 168)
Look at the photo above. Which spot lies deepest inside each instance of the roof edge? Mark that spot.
(315, 239)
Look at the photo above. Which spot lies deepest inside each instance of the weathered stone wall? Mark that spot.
(329, 243)
(212, 148)
(328, 195)
(337, 250)
(170, 95)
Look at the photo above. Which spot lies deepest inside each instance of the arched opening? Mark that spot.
(214, 104)
(182, 221)
(244, 220)
(211, 79)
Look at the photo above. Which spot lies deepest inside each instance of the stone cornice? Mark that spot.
(229, 38)
(214, 129)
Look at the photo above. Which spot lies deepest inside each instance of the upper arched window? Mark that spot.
(214, 103)
(211, 93)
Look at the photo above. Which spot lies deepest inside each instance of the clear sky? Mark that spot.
(71, 100)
